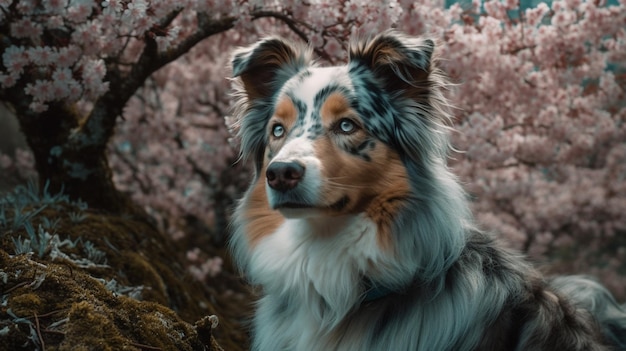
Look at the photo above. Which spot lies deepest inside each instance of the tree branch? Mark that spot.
(293, 25)
(99, 126)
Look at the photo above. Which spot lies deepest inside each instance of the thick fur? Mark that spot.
(358, 234)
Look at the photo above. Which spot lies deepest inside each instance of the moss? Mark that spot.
(25, 304)
(71, 307)
(91, 327)
(140, 272)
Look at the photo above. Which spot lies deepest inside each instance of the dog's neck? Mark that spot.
(321, 263)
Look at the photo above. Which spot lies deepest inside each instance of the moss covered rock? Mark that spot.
(75, 279)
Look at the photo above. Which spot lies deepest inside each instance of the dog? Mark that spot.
(356, 231)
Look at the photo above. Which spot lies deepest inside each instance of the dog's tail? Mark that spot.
(592, 296)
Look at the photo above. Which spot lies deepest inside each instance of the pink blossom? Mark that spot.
(87, 36)
(511, 4)
(534, 16)
(563, 18)
(63, 75)
(63, 84)
(317, 40)
(38, 106)
(210, 268)
(41, 90)
(7, 80)
(455, 11)
(60, 90)
(135, 11)
(67, 56)
(351, 8)
(15, 59)
(495, 9)
(79, 11)
(25, 28)
(55, 6)
(193, 255)
(26, 7)
(164, 42)
(55, 22)
(558, 5)
(491, 27)
(476, 5)
(333, 48)
(75, 90)
(93, 70)
(573, 4)
(42, 55)
(142, 24)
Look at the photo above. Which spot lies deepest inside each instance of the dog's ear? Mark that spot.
(401, 64)
(262, 69)
(404, 70)
(268, 64)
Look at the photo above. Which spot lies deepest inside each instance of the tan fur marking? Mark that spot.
(377, 187)
(261, 220)
(335, 106)
(286, 111)
(385, 208)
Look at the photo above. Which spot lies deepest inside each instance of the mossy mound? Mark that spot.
(84, 280)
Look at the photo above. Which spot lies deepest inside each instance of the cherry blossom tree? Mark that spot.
(70, 68)
(129, 97)
(542, 111)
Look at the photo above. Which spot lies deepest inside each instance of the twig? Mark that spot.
(51, 313)
(38, 329)
(292, 23)
(16, 286)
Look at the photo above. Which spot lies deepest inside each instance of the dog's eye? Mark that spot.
(278, 131)
(346, 126)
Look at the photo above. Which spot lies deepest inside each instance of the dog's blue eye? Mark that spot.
(278, 131)
(347, 126)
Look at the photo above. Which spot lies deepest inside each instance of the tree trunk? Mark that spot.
(82, 174)
(70, 149)
(79, 169)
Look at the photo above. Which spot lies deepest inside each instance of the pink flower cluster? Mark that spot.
(541, 122)
(202, 267)
(17, 168)
(73, 39)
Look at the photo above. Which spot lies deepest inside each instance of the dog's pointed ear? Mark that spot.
(268, 64)
(404, 69)
(401, 64)
(262, 69)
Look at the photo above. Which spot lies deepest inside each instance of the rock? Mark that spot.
(77, 279)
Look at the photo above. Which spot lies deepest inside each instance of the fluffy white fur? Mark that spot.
(444, 285)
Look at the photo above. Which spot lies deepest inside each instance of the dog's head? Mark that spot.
(334, 140)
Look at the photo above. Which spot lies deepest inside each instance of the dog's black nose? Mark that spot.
(283, 176)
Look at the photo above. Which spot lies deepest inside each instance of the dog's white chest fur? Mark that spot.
(310, 272)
